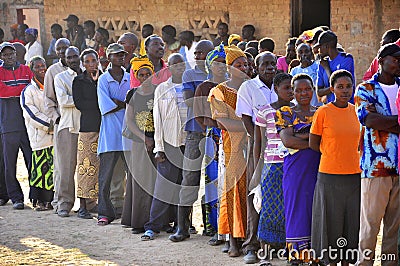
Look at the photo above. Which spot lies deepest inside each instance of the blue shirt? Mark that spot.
(110, 136)
(191, 79)
(52, 49)
(341, 61)
(312, 71)
(379, 148)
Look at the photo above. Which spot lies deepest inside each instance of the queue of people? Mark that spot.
(293, 154)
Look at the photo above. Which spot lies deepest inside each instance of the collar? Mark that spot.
(111, 79)
(261, 84)
(14, 67)
(376, 82)
(72, 72)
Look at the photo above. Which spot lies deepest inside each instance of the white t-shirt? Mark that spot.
(391, 93)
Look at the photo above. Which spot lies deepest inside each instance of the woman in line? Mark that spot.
(84, 93)
(283, 62)
(335, 133)
(232, 218)
(139, 124)
(40, 125)
(101, 43)
(271, 226)
(300, 168)
(216, 67)
(33, 47)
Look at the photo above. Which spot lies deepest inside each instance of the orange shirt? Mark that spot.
(340, 134)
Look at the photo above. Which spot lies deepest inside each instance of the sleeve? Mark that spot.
(373, 68)
(243, 103)
(283, 118)
(318, 122)
(64, 99)
(279, 64)
(51, 50)
(261, 119)
(158, 128)
(361, 100)
(31, 112)
(50, 98)
(106, 104)
(187, 81)
(217, 105)
(348, 64)
(320, 76)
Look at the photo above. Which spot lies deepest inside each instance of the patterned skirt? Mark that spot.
(41, 180)
(271, 226)
(88, 165)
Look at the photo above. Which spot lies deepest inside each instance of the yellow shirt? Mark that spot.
(142, 50)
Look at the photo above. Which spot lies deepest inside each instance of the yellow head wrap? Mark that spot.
(233, 53)
(140, 62)
(233, 37)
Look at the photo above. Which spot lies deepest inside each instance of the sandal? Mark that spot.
(40, 207)
(148, 235)
(103, 221)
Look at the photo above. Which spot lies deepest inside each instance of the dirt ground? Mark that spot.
(28, 237)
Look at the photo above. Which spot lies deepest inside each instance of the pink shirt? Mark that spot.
(157, 78)
(281, 64)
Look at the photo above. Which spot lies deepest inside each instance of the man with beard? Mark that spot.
(252, 95)
(67, 133)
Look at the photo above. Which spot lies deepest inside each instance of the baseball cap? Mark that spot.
(326, 37)
(114, 48)
(71, 17)
(5, 45)
(389, 49)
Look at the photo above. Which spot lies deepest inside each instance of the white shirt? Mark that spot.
(169, 126)
(190, 54)
(391, 93)
(50, 99)
(70, 116)
(252, 95)
(33, 50)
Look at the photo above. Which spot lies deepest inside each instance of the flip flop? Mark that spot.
(148, 235)
(103, 221)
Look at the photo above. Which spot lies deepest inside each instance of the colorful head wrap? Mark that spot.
(233, 53)
(218, 52)
(14, 26)
(233, 37)
(140, 62)
(32, 31)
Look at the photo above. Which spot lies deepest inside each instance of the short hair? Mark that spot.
(339, 74)
(169, 29)
(281, 77)
(104, 33)
(1, 33)
(57, 27)
(148, 26)
(267, 43)
(222, 24)
(89, 23)
(249, 55)
(150, 38)
(291, 41)
(34, 59)
(393, 35)
(131, 36)
(261, 55)
(187, 35)
(24, 26)
(253, 44)
(301, 76)
(249, 27)
(251, 50)
(88, 51)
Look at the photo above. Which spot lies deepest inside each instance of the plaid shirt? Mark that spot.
(379, 148)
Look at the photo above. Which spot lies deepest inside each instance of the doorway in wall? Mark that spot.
(29, 16)
(308, 14)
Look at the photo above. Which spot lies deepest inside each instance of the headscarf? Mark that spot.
(14, 26)
(233, 53)
(32, 31)
(140, 62)
(233, 37)
(218, 52)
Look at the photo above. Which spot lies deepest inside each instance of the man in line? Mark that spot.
(130, 43)
(56, 33)
(13, 79)
(252, 95)
(195, 133)
(188, 45)
(248, 33)
(223, 35)
(375, 101)
(75, 32)
(89, 30)
(67, 132)
(172, 45)
(147, 30)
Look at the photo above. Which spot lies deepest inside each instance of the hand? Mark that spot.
(50, 130)
(149, 142)
(119, 103)
(160, 157)
(95, 76)
(303, 136)
(371, 108)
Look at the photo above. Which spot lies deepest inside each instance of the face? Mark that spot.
(117, 59)
(72, 58)
(246, 33)
(182, 40)
(239, 68)
(218, 67)
(55, 33)
(303, 91)
(39, 69)
(343, 89)
(143, 74)
(21, 30)
(304, 54)
(127, 44)
(252, 67)
(285, 90)
(98, 37)
(291, 52)
(91, 63)
(87, 30)
(391, 65)
(9, 56)
(29, 38)
(146, 32)
(165, 36)
(323, 50)
(267, 66)
(222, 30)
(155, 48)
(200, 55)
(177, 67)
(61, 47)
(70, 24)
(13, 33)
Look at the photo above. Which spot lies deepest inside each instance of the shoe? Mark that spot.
(63, 213)
(103, 221)
(182, 232)
(214, 241)
(49, 206)
(84, 214)
(148, 235)
(19, 205)
(251, 257)
(192, 230)
(3, 202)
(40, 207)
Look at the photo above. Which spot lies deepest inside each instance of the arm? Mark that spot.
(314, 142)
(129, 114)
(322, 90)
(230, 124)
(248, 125)
(158, 127)
(259, 143)
(32, 113)
(63, 98)
(381, 122)
(82, 103)
(106, 103)
(188, 88)
(292, 141)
